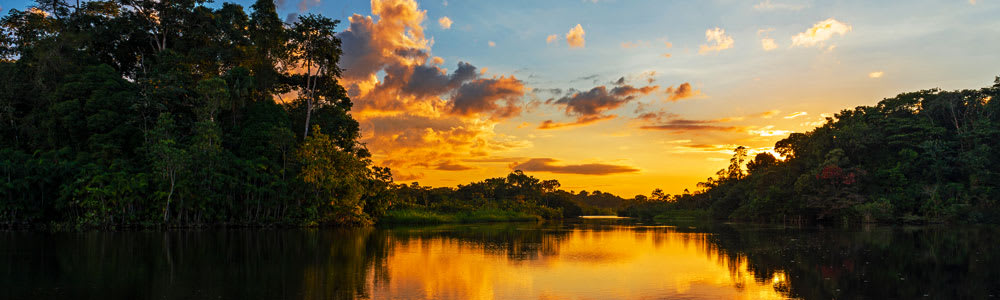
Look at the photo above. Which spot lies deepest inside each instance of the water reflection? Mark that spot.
(592, 259)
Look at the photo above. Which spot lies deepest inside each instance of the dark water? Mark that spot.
(588, 259)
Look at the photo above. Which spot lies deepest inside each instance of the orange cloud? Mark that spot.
(681, 92)
(551, 38)
(548, 165)
(769, 114)
(575, 37)
(418, 116)
(445, 22)
(549, 124)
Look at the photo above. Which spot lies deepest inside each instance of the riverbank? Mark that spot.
(424, 216)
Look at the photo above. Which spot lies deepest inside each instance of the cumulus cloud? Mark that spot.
(681, 92)
(445, 22)
(590, 106)
(551, 166)
(876, 74)
(481, 96)
(717, 39)
(575, 37)
(599, 99)
(418, 115)
(817, 35)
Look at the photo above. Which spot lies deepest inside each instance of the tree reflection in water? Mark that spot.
(812, 263)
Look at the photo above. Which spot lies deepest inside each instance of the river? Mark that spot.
(577, 259)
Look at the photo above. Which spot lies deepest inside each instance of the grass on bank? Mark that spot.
(423, 216)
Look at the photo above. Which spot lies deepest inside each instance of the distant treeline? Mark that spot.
(926, 156)
(516, 191)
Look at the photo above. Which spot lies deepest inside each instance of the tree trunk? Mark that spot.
(166, 210)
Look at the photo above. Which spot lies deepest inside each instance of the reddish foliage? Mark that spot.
(834, 173)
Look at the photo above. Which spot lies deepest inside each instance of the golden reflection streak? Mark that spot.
(587, 265)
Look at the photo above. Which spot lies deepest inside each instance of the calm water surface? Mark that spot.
(585, 259)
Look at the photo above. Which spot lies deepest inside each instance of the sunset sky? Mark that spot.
(627, 96)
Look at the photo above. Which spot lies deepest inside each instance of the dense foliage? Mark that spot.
(516, 192)
(930, 155)
(134, 112)
(137, 113)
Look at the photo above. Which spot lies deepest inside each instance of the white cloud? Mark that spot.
(768, 44)
(876, 74)
(718, 41)
(820, 32)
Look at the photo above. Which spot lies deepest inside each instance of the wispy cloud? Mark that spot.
(636, 44)
(551, 38)
(452, 166)
(768, 5)
(685, 125)
(580, 121)
(796, 115)
(550, 165)
(769, 114)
